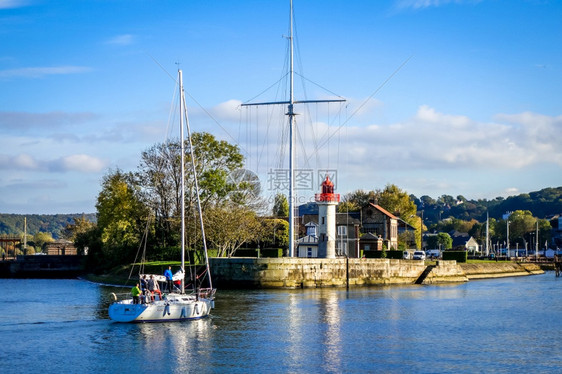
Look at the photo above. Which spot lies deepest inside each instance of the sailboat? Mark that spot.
(176, 305)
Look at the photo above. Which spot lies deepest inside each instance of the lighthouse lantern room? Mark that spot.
(327, 202)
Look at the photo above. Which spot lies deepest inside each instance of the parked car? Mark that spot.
(407, 255)
(433, 253)
(419, 255)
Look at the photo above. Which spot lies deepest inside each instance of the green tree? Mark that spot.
(397, 202)
(228, 227)
(215, 161)
(441, 240)
(354, 201)
(274, 233)
(401, 204)
(80, 225)
(121, 216)
(89, 243)
(521, 222)
(40, 239)
(159, 177)
(280, 206)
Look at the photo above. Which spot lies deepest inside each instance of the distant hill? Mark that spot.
(13, 224)
(542, 204)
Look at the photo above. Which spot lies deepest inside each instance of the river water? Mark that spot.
(510, 325)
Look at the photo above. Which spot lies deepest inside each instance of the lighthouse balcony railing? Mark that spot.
(327, 197)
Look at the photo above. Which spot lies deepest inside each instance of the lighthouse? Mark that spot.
(327, 202)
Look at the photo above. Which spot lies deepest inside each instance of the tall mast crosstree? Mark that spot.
(292, 114)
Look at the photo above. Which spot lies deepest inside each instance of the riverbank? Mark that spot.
(486, 270)
(303, 273)
(318, 273)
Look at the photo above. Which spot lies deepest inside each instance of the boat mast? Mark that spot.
(487, 233)
(196, 182)
(292, 114)
(180, 78)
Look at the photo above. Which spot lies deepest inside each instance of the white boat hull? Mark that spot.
(175, 308)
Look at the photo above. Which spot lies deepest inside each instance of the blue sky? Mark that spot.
(456, 97)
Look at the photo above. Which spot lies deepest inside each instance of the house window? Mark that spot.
(309, 252)
(311, 230)
(323, 220)
(342, 230)
(343, 249)
(367, 247)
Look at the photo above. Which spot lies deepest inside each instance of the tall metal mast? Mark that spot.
(292, 114)
(182, 183)
(487, 233)
(183, 111)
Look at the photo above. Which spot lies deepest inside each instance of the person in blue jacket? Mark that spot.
(169, 279)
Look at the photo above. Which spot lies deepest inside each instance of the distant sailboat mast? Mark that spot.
(487, 234)
(292, 114)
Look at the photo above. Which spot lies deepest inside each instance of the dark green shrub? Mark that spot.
(459, 256)
(245, 252)
(381, 254)
(271, 252)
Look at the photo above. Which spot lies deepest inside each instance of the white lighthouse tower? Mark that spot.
(327, 202)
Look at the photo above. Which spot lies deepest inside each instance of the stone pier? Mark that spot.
(317, 272)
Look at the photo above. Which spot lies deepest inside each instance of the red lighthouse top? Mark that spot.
(327, 194)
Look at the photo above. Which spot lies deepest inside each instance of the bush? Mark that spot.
(245, 252)
(381, 254)
(459, 256)
(271, 252)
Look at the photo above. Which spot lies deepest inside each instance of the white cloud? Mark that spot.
(19, 121)
(46, 184)
(24, 161)
(422, 4)
(429, 140)
(7, 4)
(125, 39)
(78, 162)
(511, 191)
(40, 72)
(227, 111)
(82, 163)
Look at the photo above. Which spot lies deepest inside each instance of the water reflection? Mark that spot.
(331, 316)
(485, 326)
(296, 327)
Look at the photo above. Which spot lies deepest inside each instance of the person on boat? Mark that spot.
(153, 288)
(135, 291)
(169, 279)
(144, 283)
(144, 289)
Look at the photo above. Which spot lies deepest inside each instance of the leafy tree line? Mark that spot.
(394, 200)
(448, 214)
(13, 224)
(35, 244)
(143, 208)
(543, 203)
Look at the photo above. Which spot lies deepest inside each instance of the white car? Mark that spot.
(419, 255)
(406, 255)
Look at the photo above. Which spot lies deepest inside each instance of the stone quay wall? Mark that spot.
(340, 272)
(500, 269)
